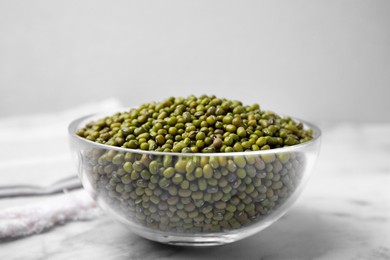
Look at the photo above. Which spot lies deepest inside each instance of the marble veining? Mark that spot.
(343, 213)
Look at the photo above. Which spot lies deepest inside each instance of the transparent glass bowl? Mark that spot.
(193, 199)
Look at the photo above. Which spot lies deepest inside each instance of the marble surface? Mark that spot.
(343, 213)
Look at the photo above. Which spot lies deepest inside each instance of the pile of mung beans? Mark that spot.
(187, 192)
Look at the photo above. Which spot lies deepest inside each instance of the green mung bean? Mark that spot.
(201, 193)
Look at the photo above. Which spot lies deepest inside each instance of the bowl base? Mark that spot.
(191, 241)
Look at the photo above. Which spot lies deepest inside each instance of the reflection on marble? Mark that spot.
(344, 213)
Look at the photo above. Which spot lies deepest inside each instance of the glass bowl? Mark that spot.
(195, 199)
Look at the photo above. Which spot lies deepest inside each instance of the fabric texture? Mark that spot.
(43, 215)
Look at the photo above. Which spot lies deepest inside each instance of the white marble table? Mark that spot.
(344, 212)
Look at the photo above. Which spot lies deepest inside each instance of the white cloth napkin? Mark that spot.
(35, 151)
(57, 210)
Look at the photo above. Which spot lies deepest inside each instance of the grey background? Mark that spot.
(318, 60)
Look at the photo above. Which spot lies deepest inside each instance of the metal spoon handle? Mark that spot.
(69, 183)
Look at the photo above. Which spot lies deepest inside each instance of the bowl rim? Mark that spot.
(75, 124)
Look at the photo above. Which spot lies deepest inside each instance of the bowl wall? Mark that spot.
(193, 199)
